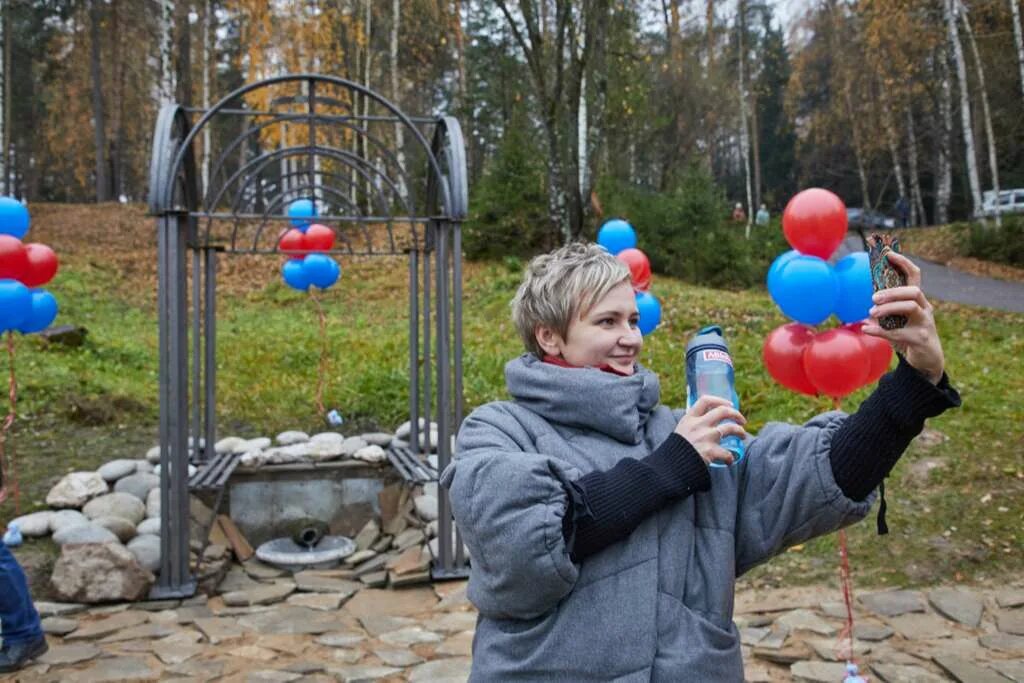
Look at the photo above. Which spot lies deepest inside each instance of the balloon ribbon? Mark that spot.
(8, 469)
(847, 585)
(321, 372)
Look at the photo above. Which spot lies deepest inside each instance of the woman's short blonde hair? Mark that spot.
(564, 283)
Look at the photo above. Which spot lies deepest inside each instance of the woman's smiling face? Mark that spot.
(607, 333)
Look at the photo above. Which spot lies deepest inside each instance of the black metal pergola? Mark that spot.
(335, 142)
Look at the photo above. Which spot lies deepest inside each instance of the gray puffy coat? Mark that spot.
(658, 605)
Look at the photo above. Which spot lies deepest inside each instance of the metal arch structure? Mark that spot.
(302, 136)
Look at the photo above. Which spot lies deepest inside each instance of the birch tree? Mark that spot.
(1018, 40)
(396, 17)
(98, 118)
(951, 10)
(744, 130)
(166, 19)
(993, 162)
(944, 150)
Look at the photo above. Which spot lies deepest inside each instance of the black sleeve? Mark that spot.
(606, 506)
(868, 444)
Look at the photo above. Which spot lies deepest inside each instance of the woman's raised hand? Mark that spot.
(702, 426)
(918, 341)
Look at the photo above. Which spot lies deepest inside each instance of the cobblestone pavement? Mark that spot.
(321, 626)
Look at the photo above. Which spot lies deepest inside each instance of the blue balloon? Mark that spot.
(13, 217)
(650, 312)
(44, 311)
(321, 270)
(853, 273)
(300, 211)
(616, 235)
(295, 275)
(15, 304)
(780, 260)
(806, 290)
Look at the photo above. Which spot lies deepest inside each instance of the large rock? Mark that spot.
(957, 604)
(139, 485)
(146, 549)
(227, 444)
(382, 439)
(103, 572)
(153, 504)
(76, 489)
(426, 507)
(34, 524)
(370, 453)
(120, 527)
(352, 445)
(405, 429)
(292, 437)
(248, 445)
(66, 518)
(150, 525)
(116, 469)
(87, 533)
(117, 504)
(153, 455)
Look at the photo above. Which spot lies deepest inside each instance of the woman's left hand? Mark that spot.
(918, 341)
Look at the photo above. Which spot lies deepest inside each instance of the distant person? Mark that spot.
(738, 214)
(19, 622)
(762, 215)
(902, 210)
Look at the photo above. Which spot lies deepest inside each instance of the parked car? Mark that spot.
(1009, 201)
(866, 219)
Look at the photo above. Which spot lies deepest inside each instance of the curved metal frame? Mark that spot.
(187, 413)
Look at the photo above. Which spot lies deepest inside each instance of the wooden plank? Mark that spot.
(243, 551)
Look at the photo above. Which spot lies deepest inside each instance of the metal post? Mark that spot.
(210, 342)
(443, 388)
(175, 579)
(444, 505)
(414, 347)
(196, 427)
(427, 395)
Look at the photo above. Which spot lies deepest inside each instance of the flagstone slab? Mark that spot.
(341, 639)
(355, 673)
(1011, 621)
(266, 594)
(1010, 597)
(410, 636)
(58, 609)
(321, 601)
(461, 644)
(271, 676)
(108, 625)
(398, 656)
(452, 622)
(893, 603)
(1012, 669)
(70, 654)
(871, 631)
(965, 671)
(1003, 642)
(293, 619)
(960, 605)
(375, 624)
(117, 670)
(391, 602)
(806, 620)
(913, 626)
(905, 673)
(446, 670)
(817, 672)
(58, 626)
(219, 629)
(202, 669)
(175, 653)
(311, 581)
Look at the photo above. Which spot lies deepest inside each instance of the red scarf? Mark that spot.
(562, 363)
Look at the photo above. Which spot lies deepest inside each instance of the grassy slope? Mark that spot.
(81, 407)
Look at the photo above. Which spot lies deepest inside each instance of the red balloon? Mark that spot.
(13, 259)
(319, 238)
(639, 268)
(879, 352)
(783, 355)
(293, 242)
(814, 222)
(836, 362)
(42, 265)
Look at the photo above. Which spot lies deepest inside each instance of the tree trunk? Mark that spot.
(993, 161)
(892, 140)
(1018, 40)
(965, 107)
(917, 213)
(460, 55)
(944, 162)
(207, 51)
(368, 189)
(117, 182)
(396, 15)
(744, 131)
(184, 52)
(4, 64)
(755, 146)
(99, 120)
(166, 51)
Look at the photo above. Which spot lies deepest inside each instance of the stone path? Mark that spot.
(424, 633)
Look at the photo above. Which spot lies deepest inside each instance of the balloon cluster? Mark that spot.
(23, 268)
(808, 289)
(619, 238)
(305, 266)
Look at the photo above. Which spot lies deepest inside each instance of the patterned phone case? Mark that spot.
(884, 275)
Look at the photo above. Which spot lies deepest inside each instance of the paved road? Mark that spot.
(947, 284)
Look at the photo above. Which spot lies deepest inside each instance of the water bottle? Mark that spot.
(709, 371)
(12, 537)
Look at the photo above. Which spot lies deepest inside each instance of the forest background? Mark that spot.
(666, 111)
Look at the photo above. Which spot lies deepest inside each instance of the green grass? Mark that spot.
(80, 407)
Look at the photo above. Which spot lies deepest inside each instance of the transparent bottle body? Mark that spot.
(714, 378)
